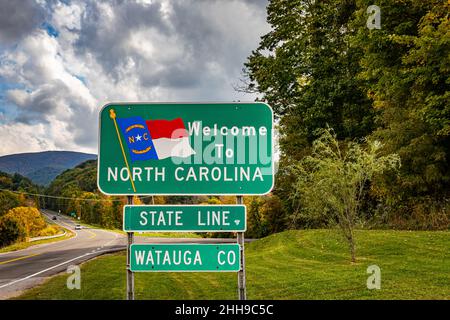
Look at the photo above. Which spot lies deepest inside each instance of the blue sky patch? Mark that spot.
(51, 30)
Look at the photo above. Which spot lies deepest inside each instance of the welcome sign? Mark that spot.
(185, 149)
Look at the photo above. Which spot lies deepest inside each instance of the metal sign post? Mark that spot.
(242, 289)
(130, 275)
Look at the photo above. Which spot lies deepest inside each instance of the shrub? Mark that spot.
(423, 213)
(50, 230)
(333, 180)
(11, 230)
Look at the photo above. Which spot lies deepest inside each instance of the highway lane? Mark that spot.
(23, 269)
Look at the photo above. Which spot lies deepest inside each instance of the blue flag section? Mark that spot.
(138, 139)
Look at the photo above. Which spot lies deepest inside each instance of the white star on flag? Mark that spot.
(138, 137)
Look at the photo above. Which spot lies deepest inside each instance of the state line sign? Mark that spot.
(185, 149)
(185, 257)
(184, 218)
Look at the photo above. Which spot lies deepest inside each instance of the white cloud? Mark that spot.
(118, 51)
(19, 137)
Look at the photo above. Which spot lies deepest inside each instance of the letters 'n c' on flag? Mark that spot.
(137, 138)
(155, 139)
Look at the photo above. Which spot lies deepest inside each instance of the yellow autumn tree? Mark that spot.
(27, 217)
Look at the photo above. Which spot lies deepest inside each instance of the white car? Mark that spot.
(78, 227)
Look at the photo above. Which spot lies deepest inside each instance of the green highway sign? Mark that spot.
(184, 218)
(185, 257)
(185, 148)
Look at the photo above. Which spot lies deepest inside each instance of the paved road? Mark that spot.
(23, 269)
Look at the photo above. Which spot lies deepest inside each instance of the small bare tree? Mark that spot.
(331, 182)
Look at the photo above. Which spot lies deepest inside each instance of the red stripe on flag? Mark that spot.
(172, 129)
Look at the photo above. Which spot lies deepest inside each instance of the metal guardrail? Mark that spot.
(47, 237)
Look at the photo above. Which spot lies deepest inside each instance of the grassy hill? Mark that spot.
(309, 264)
(42, 167)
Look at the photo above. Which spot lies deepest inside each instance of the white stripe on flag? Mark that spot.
(166, 148)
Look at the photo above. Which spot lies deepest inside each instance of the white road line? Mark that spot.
(58, 265)
(45, 270)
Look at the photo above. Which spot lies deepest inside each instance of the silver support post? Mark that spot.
(242, 290)
(130, 275)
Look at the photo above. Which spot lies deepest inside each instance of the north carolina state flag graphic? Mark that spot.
(155, 139)
(170, 138)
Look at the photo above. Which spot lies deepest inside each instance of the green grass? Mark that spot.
(310, 264)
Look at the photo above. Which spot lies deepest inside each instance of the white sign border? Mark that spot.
(124, 104)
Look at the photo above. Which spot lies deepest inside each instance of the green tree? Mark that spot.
(306, 69)
(8, 200)
(407, 65)
(332, 181)
(255, 222)
(273, 215)
(16, 182)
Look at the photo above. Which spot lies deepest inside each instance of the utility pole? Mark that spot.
(242, 290)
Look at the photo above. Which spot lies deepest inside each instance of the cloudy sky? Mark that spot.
(61, 61)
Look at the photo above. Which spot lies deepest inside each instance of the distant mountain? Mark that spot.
(43, 167)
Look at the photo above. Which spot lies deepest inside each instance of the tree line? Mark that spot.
(320, 67)
(75, 193)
